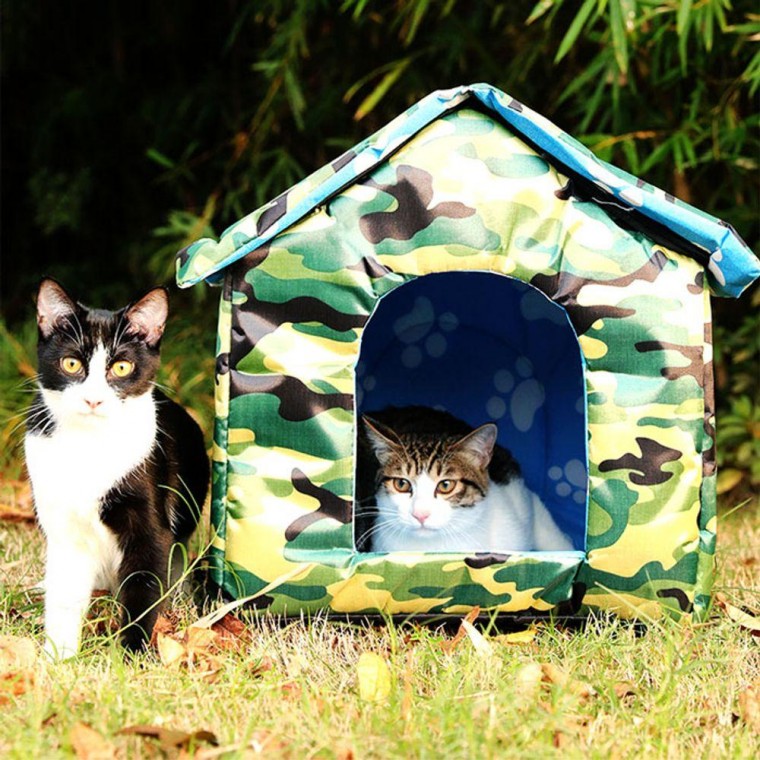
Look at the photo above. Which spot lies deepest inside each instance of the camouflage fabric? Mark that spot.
(463, 190)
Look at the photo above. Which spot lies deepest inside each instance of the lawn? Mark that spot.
(243, 686)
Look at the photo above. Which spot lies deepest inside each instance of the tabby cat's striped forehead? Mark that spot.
(436, 455)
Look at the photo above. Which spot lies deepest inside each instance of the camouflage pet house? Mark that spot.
(473, 257)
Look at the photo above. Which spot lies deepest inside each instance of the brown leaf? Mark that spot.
(749, 706)
(200, 640)
(555, 675)
(17, 652)
(171, 652)
(449, 646)
(88, 744)
(232, 633)
(14, 684)
(169, 738)
(12, 514)
(742, 616)
(624, 690)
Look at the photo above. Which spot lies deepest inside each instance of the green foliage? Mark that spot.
(144, 127)
(738, 380)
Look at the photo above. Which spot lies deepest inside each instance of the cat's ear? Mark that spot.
(54, 305)
(479, 444)
(382, 439)
(147, 317)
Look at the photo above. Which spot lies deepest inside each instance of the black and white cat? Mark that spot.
(119, 472)
(440, 485)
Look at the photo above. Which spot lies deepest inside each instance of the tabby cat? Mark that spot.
(439, 485)
(119, 472)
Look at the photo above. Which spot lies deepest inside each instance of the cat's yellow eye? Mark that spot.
(445, 487)
(402, 485)
(71, 365)
(122, 368)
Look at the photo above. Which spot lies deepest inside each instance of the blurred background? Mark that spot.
(129, 129)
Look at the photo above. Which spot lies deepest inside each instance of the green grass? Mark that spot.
(292, 686)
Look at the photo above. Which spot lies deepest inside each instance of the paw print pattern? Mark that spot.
(519, 393)
(422, 333)
(570, 479)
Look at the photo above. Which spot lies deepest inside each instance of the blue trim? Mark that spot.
(732, 265)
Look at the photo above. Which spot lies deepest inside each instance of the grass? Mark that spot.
(292, 688)
(300, 688)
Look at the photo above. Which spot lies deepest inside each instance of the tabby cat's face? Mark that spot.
(424, 482)
(92, 362)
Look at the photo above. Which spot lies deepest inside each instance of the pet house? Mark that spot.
(472, 257)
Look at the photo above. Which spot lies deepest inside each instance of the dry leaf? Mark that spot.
(170, 738)
(518, 637)
(482, 647)
(624, 689)
(740, 616)
(374, 677)
(171, 652)
(449, 646)
(14, 684)
(88, 744)
(17, 652)
(555, 675)
(232, 633)
(199, 640)
(16, 515)
(749, 706)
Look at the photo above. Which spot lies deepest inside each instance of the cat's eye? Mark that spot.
(445, 487)
(122, 368)
(71, 365)
(402, 485)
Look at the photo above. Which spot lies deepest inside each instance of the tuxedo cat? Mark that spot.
(439, 485)
(119, 472)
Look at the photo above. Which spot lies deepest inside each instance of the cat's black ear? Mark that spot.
(382, 439)
(480, 444)
(54, 305)
(147, 317)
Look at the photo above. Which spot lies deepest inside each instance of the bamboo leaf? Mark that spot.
(619, 36)
(541, 8)
(575, 29)
(385, 84)
(684, 16)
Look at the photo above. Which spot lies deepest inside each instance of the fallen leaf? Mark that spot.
(374, 677)
(749, 706)
(88, 744)
(16, 515)
(199, 640)
(518, 637)
(14, 684)
(449, 646)
(17, 652)
(169, 738)
(171, 652)
(479, 641)
(232, 633)
(743, 617)
(624, 689)
(555, 675)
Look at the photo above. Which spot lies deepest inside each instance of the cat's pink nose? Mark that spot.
(420, 516)
(93, 404)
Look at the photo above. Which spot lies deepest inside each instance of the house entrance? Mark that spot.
(486, 347)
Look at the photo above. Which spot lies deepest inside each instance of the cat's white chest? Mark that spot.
(71, 471)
